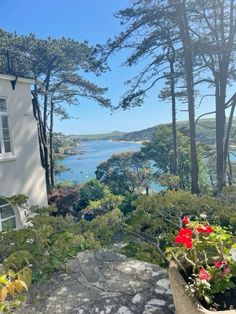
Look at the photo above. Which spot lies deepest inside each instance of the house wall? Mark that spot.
(23, 173)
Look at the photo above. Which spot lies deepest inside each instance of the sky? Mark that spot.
(91, 20)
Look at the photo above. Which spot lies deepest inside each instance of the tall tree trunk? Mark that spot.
(230, 173)
(38, 117)
(46, 153)
(173, 109)
(227, 135)
(220, 131)
(188, 66)
(51, 144)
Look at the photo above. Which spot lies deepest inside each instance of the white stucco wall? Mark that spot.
(23, 174)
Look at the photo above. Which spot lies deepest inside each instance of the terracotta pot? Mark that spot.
(184, 304)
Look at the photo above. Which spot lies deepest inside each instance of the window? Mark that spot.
(5, 136)
(7, 217)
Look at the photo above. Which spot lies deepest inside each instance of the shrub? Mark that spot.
(65, 199)
(108, 203)
(92, 190)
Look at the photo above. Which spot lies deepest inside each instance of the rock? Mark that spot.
(156, 302)
(103, 282)
(164, 283)
(137, 298)
(124, 310)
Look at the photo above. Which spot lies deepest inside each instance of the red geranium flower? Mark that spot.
(220, 264)
(204, 275)
(205, 229)
(185, 237)
(185, 232)
(186, 220)
(184, 240)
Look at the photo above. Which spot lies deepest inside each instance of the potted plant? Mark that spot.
(202, 269)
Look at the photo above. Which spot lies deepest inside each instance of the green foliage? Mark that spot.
(107, 203)
(48, 241)
(18, 260)
(184, 203)
(18, 200)
(92, 190)
(157, 216)
(43, 210)
(105, 226)
(143, 252)
(169, 180)
(124, 173)
(127, 205)
(160, 150)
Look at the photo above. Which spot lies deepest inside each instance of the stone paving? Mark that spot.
(103, 282)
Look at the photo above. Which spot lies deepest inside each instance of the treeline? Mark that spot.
(190, 46)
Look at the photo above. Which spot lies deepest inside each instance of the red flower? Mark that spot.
(205, 229)
(185, 232)
(185, 237)
(220, 264)
(204, 275)
(186, 220)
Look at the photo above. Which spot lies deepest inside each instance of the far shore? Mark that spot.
(124, 141)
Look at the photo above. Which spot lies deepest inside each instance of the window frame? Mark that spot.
(7, 218)
(3, 154)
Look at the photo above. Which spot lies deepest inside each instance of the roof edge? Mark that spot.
(19, 79)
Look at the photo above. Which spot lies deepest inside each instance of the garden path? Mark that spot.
(103, 282)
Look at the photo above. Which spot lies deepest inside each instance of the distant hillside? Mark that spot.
(205, 132)
(91, 137)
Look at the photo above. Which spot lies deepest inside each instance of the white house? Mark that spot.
(20, 166)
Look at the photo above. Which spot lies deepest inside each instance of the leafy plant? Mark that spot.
(14, 284)
(92, 190)
(210, 252)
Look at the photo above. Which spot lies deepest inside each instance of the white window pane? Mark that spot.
(3, 105)
(5, 124)
(7, 145)
(6, 134)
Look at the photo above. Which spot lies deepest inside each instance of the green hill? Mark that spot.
(92, 137)
(205, 132)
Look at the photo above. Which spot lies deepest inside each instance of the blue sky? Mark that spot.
(92, 20)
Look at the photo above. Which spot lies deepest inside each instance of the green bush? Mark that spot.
(92, 190)
(108, 203)
(127, 205)
(48, 241)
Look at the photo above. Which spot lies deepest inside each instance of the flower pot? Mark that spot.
(185, 304)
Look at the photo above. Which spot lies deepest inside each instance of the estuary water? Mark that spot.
(92, 153)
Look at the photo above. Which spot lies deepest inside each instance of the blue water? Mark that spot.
(83, 167)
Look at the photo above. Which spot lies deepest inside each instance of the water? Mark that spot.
(83, 167)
